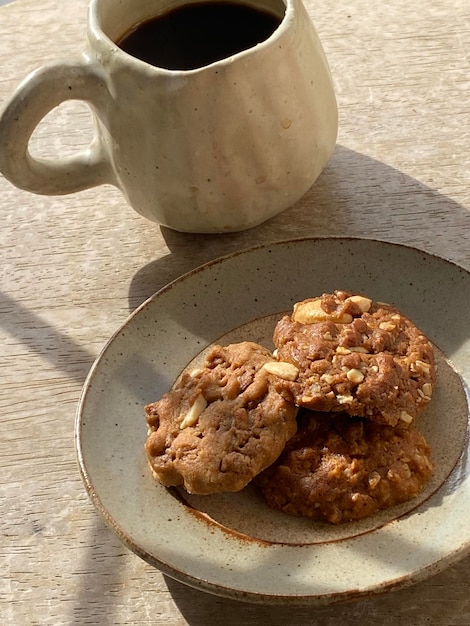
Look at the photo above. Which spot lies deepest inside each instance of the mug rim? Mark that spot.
(98, 34)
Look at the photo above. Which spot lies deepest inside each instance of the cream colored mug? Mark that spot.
(215, 149)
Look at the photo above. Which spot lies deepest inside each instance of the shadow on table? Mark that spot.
(356, 195)
(407, 606)
(43, 339)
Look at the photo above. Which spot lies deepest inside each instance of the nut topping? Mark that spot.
(362, 302)
(355, 376)
(374, 479)
(311, 312)
(406, 417)
(427, 390)
(344, 399)
(388, 326)
(282, 369)
(194, 412)
(420, 367)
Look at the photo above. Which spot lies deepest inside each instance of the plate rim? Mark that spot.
(204, 584)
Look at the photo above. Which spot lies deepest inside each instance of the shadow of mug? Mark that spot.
(355, 196)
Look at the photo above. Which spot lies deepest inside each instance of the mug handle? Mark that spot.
(40, 92)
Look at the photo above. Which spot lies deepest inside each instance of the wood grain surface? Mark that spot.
(73, 267)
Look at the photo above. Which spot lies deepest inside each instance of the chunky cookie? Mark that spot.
(358, 356)
(222, 424)
(346, 469)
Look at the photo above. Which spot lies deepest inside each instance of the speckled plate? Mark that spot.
(233, 545)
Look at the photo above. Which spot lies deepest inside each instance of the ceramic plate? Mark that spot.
(233, 545)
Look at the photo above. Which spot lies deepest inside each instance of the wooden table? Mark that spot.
(74, 267)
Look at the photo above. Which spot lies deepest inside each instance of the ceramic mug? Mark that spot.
(215, 149)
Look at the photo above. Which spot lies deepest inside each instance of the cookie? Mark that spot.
(346, 469)
(358, 356)
(222, 424)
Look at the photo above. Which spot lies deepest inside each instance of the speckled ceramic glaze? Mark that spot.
(232, 544)
(216, 149)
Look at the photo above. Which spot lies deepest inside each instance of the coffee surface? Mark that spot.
(195, 35)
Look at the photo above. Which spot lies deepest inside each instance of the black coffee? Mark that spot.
(198, 34)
